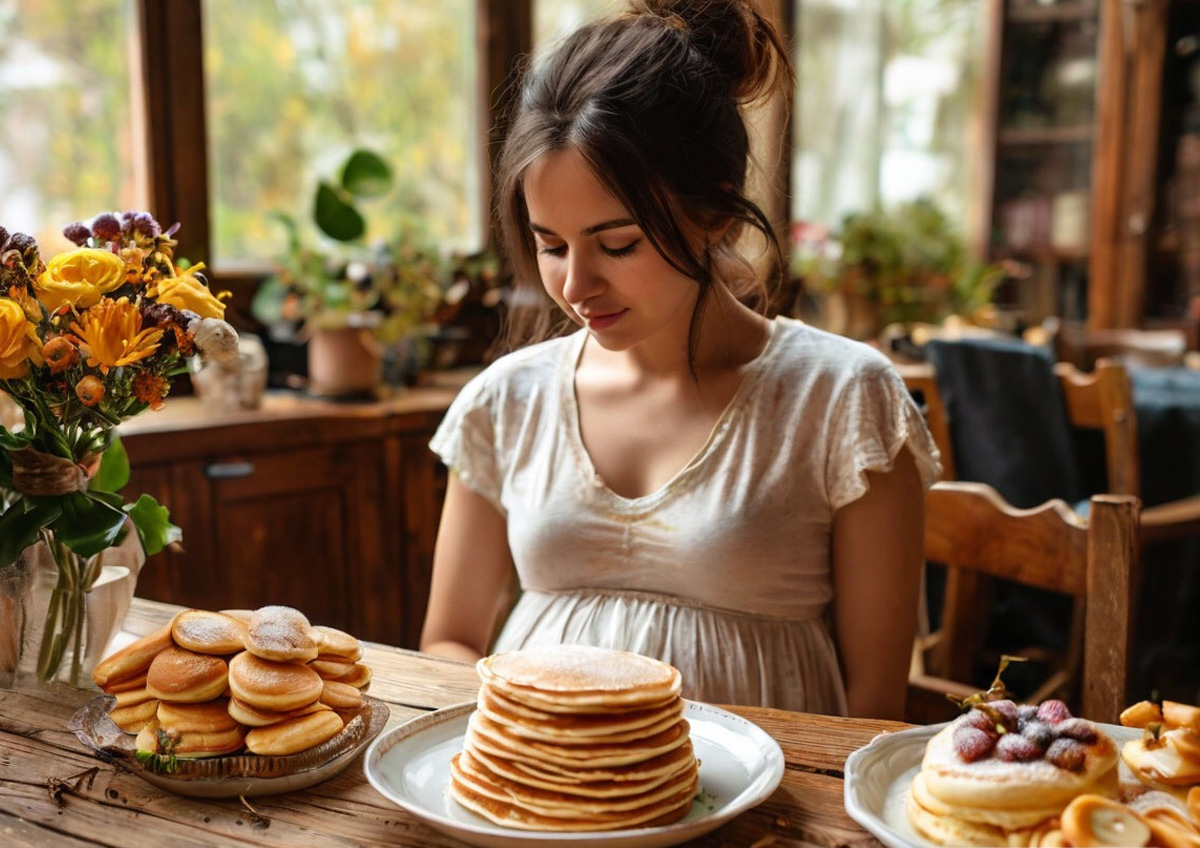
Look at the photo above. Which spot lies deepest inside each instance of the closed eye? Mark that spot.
(547, 250)
(624, 250)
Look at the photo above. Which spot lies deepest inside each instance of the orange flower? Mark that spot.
(149, 389)
(112, 336)
(19, 343)
(60, 354)
(90, 390)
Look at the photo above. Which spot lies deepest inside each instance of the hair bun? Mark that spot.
(742, 43)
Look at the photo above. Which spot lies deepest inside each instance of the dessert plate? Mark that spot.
(243, 775)
(740, 766)
(878, 776)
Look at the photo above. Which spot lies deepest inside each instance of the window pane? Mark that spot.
(886, 98)
(553, 19)
(293, 86)
(68, 146)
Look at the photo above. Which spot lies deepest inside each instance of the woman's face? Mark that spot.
(595, 261)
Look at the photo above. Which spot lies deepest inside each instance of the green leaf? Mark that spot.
(113, 474)
(335, 216)
(366, 174)
(88, 524)
(153, 523)
(267, 305)
(19, 525)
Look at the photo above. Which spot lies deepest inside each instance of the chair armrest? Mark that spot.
(1172, 520)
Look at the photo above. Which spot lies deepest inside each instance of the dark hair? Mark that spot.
(651, 99)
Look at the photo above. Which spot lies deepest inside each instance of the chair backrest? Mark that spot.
(1103, 400)
(969, 528)
(1100, 400)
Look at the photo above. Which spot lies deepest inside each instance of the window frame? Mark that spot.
(171, 70)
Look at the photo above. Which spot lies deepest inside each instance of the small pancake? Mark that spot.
(253, 717)
(281, 634)
(133, 660)
(270, 685)
(334, 644)
(341, 696)
(185, 677)
(133, 718)
(360, 678)
(295, 734)
(333, 669)
(208, 632)
(208, 717)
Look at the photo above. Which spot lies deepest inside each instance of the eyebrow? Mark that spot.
(587, 231)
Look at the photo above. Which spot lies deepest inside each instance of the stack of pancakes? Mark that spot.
(1008, 794)
(215, 683)
(576, 738)
(1167, 757)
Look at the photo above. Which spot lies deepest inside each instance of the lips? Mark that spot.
(605, 320)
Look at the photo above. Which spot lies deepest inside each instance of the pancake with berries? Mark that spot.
(998, 771)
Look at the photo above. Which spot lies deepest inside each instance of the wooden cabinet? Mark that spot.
(1043, 74)
(1093, 177)
(332, 509)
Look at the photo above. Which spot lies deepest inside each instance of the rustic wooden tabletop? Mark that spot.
(54, 792)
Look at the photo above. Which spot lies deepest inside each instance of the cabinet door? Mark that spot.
(1046, 70)
(300, 528)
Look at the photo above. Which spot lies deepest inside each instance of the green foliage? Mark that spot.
(391, 285)
(912, 263)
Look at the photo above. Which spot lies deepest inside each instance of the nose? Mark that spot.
(583, 279)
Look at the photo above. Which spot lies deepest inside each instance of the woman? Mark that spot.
(679, 476)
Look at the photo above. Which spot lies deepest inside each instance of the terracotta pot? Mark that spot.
(344, 362)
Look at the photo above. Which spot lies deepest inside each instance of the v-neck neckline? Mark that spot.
(569, 410)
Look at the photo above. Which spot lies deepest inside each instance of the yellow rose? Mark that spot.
(18, 341)
(78, 278)
(187, 292)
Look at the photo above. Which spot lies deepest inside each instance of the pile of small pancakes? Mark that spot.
(215, 683)
(576, 738)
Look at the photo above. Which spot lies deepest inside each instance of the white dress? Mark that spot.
(725, 571)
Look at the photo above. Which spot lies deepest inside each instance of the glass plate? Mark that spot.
(879, 773)
(242, 775)
(740, 766)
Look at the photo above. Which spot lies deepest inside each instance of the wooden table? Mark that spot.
(54, 793)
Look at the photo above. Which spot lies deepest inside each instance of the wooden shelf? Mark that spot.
(1026, 136)
(1060, 12)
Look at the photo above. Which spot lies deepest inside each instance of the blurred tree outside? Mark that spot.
(67, 146)
(292, 86)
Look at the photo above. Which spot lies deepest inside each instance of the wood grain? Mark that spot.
(54, 792)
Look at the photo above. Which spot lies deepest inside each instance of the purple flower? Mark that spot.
(78, 233)
(144, 223)
(106, 227)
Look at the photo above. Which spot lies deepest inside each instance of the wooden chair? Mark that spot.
(1100, 400)
(969, 528)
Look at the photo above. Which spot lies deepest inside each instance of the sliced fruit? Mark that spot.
(1176, 714)
(1141, 714)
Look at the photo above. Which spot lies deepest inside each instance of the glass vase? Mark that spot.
(59, 611)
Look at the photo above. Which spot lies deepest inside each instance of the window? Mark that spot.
(69, 146)
(293, 86)
(887, 94)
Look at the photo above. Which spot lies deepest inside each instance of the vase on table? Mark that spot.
(59, 611)
(346, 361)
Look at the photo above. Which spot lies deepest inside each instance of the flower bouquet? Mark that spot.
(88, 339)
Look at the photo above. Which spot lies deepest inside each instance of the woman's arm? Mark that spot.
(878, 553)
(472, 571)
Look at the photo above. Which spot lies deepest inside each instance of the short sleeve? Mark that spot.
(466, 440)
(874, 416)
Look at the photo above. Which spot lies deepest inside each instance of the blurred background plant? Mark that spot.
(908, 265)
(331, 277)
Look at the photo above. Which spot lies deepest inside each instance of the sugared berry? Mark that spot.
(981, 720)
(972, 743)
(1026, 712)
(1014, 746)
(1066, 754)
(1053, 711)
(1007, 710)
(1039, 733)
(1079, 729)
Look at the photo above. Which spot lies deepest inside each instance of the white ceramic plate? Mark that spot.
(740, 766)
(878, 776)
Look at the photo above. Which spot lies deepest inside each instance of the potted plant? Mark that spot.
(906, 266)
(347, 298)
